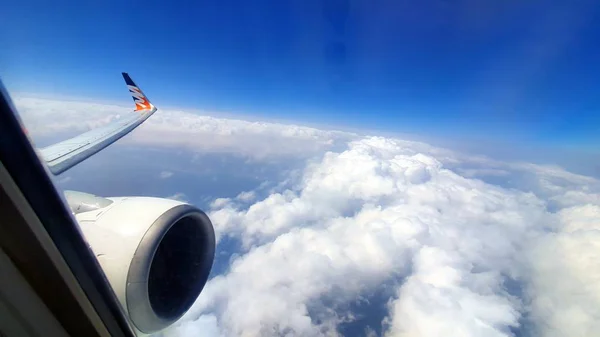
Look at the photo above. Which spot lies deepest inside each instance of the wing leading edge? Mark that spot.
(62, 156)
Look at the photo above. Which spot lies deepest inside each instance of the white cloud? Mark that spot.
(165, 174)
(466, 244)
(43, 117)
(246, 196)
(220, 202)
(565, 286)
(256, 140)
(364, 216)
(204, 326)
(178, 196)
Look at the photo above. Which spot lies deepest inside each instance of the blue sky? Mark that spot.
(508, 71)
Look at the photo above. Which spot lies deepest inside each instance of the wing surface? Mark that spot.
(63, 155)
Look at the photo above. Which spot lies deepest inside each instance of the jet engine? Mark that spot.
(156, 253)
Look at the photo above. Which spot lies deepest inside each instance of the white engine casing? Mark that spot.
(156, 253)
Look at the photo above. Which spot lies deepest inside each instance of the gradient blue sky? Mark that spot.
(523, 71)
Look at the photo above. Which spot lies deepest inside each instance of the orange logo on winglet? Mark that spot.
(141, 102)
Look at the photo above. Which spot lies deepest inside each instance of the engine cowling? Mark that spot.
(156, 253)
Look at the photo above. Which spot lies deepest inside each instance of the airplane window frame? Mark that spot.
(20, 161)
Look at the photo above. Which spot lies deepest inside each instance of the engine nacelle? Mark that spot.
(156, 253)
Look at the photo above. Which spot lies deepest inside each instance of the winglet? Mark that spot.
(141, 101)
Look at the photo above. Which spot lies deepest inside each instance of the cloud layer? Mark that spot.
(443, 243)
(565, 278)
(255, 140)
(368, 216)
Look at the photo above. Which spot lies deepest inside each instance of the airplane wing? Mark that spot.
(62, 156)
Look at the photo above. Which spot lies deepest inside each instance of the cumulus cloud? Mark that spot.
(367, 216)
(565, 285)
(165, 174)
(445, 243)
